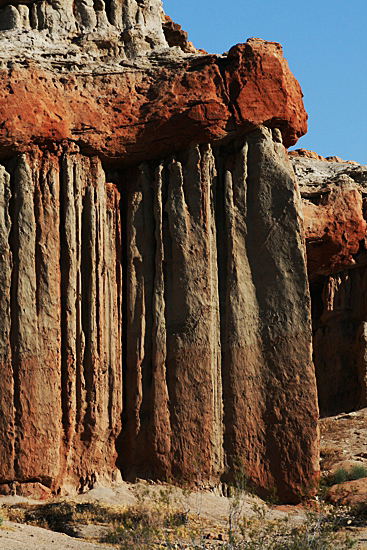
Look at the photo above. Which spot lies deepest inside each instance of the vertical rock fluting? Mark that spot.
(91, 283)
(7, 434)
(217, 355)
(218, 327)
(340, 340)
(173, 359)
(139, 20)
(35, 330)
(61, 296)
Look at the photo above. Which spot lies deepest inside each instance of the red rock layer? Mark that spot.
(335, 225)
(334, 229)
(175, 36)
(135, 115)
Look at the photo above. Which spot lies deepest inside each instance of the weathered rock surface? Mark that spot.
(155, 312)
(349, 493)
(344, 445)
(60, 304)
(176, 36)
(138, 20)
(143, 111)
(334, 208)
(212, 304)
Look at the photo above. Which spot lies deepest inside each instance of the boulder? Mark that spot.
(349, 493)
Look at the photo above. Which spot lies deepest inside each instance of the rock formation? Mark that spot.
(334, 207)
(155, 311)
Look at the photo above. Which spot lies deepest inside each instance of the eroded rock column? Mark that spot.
(35, 318)
(219, 359)
(173, 382)
(7, 427)
(61, 320)
(91, 283)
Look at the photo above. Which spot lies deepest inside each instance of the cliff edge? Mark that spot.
(155, 313)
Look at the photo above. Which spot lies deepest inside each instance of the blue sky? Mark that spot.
(325, 44)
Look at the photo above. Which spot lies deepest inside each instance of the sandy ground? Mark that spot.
(207, 506)
(344, 444)
(344, 439)
(26, 537)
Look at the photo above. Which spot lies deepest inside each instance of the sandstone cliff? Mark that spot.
(334, 207)
(154, 300)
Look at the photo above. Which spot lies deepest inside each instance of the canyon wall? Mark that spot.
(156, 316)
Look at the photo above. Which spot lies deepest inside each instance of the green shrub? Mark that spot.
(340, 476)
(357, 472)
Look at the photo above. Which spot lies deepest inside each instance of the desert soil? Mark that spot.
(343, 443)
(26, 537)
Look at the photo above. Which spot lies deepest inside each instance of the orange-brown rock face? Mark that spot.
(155, 313)
(333, 193)
(334, 226)
(136, 115)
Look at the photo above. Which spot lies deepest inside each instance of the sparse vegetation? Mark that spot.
(342, 474)
(330, 454)
(164, 517)
(57, 515)
(320, 531)
(357, 472)
(322, 528)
